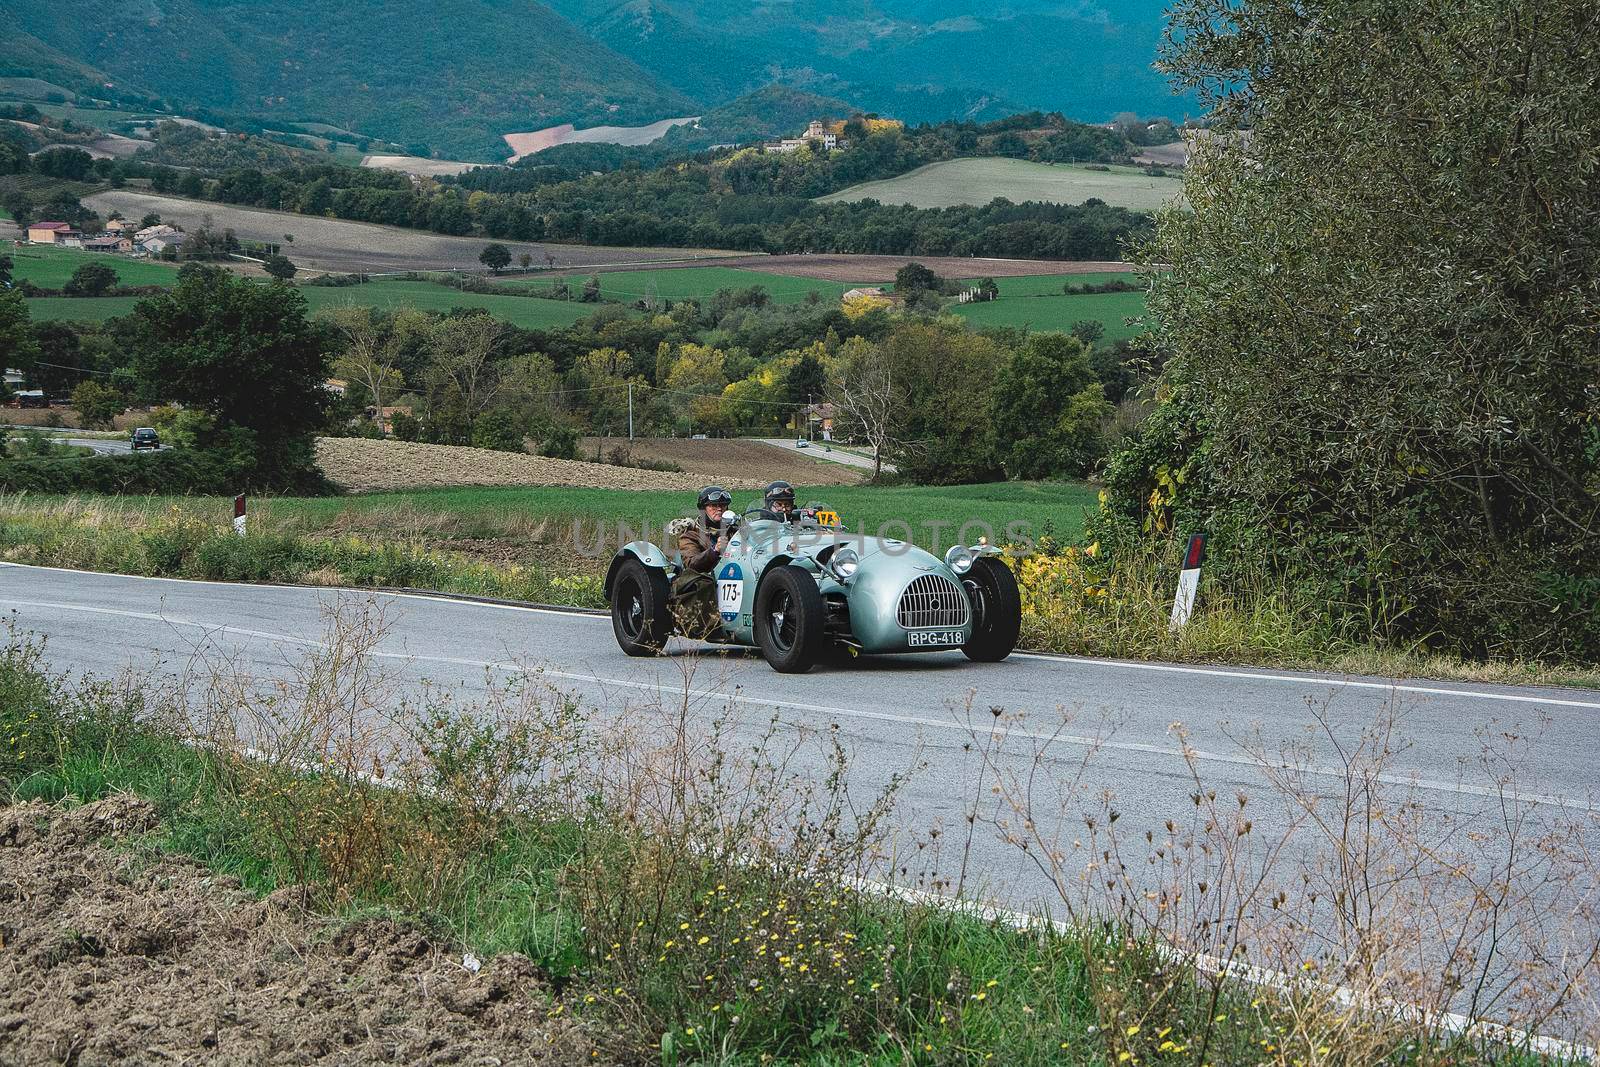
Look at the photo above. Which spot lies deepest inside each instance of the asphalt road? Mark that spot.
(1074, 728)
(815, 450)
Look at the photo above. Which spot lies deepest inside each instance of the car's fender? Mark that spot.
(645, 552)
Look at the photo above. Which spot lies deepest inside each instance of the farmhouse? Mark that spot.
(160, 243)
(814, 132)
(107, 243)
(48, 233)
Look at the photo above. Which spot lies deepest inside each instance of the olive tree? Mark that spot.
(1385, 370)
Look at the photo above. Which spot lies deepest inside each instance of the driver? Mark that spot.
(701, 542)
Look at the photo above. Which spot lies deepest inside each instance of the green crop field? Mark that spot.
(697, 283)
(978, 181)
(50, 268)
(1056, 508)
(79, 309)
(527, 312)
(1038, 303)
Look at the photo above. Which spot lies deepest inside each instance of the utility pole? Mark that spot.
(630, 412)
(808, 417)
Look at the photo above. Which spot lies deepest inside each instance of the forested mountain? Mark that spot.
(453, 74)
(921, 60)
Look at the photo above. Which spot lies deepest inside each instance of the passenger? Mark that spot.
(701, 542)
(779, 501)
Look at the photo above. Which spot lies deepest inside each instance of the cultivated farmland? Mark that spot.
(752, 459)
(365, 465)
(340, 245)
(978, 181)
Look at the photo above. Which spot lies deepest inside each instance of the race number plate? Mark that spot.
(934, 638)
(827, 518)
(730, 591)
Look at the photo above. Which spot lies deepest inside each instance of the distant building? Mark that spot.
(119, 226)
(157, 245)
(870, 293)
(108, 243)
(47, 233)
(159, 230)
(814, 132)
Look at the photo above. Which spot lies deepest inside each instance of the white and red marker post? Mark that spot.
(1188, 583)
(238, 515)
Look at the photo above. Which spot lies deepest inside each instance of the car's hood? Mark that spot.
(810, 540)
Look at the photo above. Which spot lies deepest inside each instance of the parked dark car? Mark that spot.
(146, 437)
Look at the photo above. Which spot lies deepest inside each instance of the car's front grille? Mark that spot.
(932, 600)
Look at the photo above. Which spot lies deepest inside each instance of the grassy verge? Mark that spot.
(552, 545)
(688, 896)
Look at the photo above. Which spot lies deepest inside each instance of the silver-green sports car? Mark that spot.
(796, 588)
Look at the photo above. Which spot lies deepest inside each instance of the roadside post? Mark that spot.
(238, 515)
(1188, 583)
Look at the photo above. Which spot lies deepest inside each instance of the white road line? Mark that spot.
(1037, 657)
(736, 696)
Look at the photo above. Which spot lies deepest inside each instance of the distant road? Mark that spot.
(815, 450)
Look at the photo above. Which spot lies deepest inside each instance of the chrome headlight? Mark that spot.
(843, 563)
(958, 559)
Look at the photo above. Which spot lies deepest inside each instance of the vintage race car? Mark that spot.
(800, 588)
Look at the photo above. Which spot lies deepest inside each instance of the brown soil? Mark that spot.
(365, 465)
(753, 459)
(342, 245)
(118, 956)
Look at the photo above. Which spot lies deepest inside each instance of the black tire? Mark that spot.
(639, 614)
(996, 610)
(790, 620)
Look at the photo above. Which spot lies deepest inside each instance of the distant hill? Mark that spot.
(452, 74)
(922, 60)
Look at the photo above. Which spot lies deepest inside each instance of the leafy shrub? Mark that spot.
(405, 427)
(499, 430)
(561, 442)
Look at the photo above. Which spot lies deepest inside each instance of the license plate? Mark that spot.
(934, 638)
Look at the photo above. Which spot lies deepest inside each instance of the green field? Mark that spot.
(522, 311)
(1054, 507)
(79, 309)
(977, 181)
(527, 312)
(50, 268)
(696, 283)
(1037, 302)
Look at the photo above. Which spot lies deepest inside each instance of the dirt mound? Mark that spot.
(117, 956)
(365, 465)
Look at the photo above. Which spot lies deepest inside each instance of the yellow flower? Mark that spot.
(1134, 1029)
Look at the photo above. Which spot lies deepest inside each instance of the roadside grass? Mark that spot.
(684, 283)
(52, 268)
(689, 892)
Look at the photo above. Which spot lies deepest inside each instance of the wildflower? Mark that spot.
(1134, 1029)
(702, 940)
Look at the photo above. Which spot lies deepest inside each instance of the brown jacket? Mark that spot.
(697, 543)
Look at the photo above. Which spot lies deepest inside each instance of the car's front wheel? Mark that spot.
(639, 614)
(790, 619)
(996, 610)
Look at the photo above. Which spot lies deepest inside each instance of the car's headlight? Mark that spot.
(843, 563)
(958, 559)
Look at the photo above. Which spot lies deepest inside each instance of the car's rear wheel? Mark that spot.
(790, 620)
(639, 614)
(996, 610)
